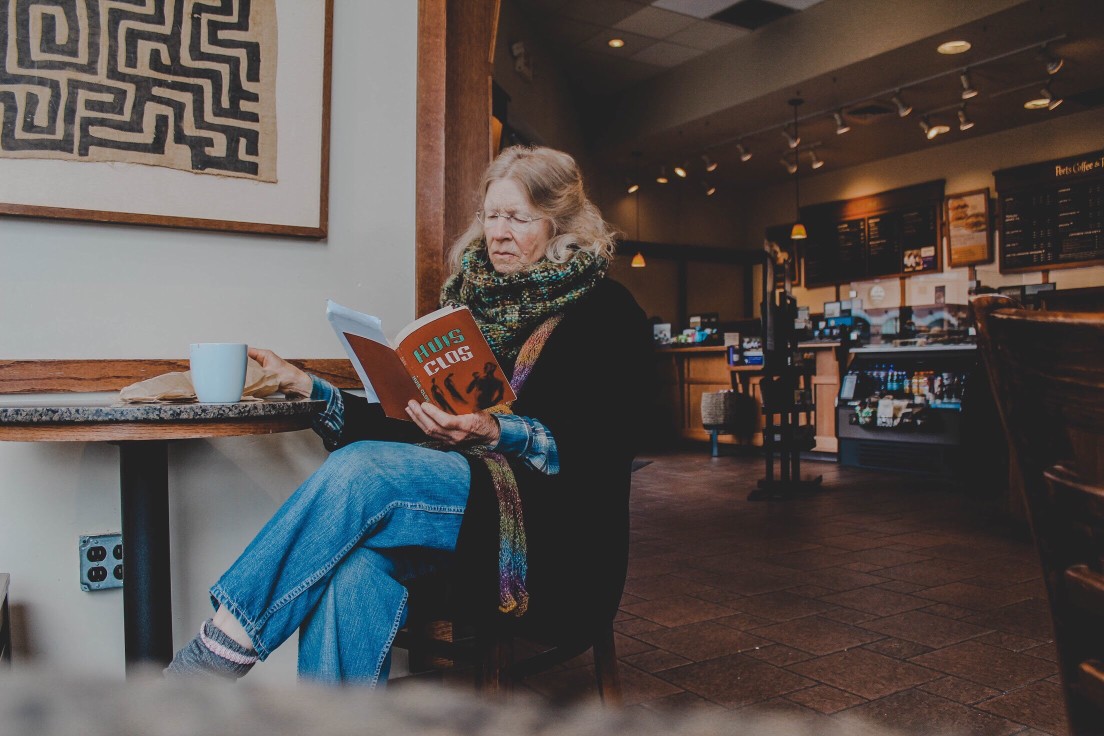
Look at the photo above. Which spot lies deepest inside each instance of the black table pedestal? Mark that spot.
(147, 599)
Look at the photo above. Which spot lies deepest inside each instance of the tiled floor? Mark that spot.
(897, 599)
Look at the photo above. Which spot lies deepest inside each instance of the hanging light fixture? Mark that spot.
(903, 109)
(964, 122)
(662, 178)
(792, 140)
(797, 232)
(638, 259)
(841, 125)
(745, 154)
(931, 131)
(1054, 63)
(710, 164)
(968, 89)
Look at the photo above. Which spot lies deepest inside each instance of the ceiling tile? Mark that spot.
(568, 32)
(633, 43)
(798, 4)
(604, 13)
(753, 13)
(666, 54)
(654, 23)
(696, 8)
(706, 35)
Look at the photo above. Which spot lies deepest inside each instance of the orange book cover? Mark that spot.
(441, 358)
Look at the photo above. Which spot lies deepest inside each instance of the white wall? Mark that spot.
(75, 290)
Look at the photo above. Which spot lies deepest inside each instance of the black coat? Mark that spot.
(591, 387)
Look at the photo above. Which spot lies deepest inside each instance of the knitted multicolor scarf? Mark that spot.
(509, 306)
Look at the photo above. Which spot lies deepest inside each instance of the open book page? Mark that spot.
(366, 345)
(450, 360)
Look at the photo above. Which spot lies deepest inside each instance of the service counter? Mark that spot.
(685, 373)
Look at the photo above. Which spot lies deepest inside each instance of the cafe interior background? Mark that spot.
(696, 81)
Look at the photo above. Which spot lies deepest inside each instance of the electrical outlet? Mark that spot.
(101, 561)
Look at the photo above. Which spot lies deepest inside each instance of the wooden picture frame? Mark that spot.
(969, 229)
(293, 200)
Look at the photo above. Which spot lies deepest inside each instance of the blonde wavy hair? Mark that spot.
(554, 184)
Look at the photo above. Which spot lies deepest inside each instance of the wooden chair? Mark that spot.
(433, 640)
(1047, 374)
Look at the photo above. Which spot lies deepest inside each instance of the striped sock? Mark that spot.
(212, 652)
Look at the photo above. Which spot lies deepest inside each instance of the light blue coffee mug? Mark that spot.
(218, 371)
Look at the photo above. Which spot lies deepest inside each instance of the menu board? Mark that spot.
(1052, 214)
(893, 233)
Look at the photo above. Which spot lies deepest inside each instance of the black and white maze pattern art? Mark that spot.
(188, 84)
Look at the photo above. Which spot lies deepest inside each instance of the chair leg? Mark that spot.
(494, 676)
(605, 668)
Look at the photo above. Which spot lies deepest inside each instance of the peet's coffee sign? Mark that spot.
(1049, 172)
(1082, 166)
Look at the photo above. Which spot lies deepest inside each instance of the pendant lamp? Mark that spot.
(797, 232)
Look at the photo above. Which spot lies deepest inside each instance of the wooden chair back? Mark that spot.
(1047, 374)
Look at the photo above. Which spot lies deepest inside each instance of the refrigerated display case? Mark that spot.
(902, 408)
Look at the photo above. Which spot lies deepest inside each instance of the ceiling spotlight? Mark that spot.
(616, 43)
(968, 90)
(710, 164)
(791, 166)
(1045, 100)
(964, 123)
(903, 109)
(816, 162)
(1054, 63)
(791, 140)
(680, 170)
(953, 47)
(745, 155)
(662, 178)
(841, 124)
(931, 131)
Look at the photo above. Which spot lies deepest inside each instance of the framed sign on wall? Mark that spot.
(969, 236)
(211, 115)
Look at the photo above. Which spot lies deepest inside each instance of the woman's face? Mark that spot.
(517, 234)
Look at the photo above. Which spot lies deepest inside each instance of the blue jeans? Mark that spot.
(332, 560)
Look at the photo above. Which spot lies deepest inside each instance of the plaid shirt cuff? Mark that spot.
(330, 421)
(528, 440)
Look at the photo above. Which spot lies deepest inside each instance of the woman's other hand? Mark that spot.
(479, 428)
(293, 382)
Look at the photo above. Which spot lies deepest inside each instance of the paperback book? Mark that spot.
(442, 358)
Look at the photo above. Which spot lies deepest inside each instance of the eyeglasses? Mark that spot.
(514, 221)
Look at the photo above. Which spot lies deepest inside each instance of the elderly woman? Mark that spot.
(528, 509)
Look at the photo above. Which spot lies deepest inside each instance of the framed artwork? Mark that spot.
(969, 237)
(209, 114)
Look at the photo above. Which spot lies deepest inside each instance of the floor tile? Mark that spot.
(1038, 705)
(988, 665)
(702, 641)
(677, 610)
(817, 635)
(735, 680)
(877, 601)
(919, 712)
(865, 673)
(924, 628)
(959, 690)
(825, 699)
